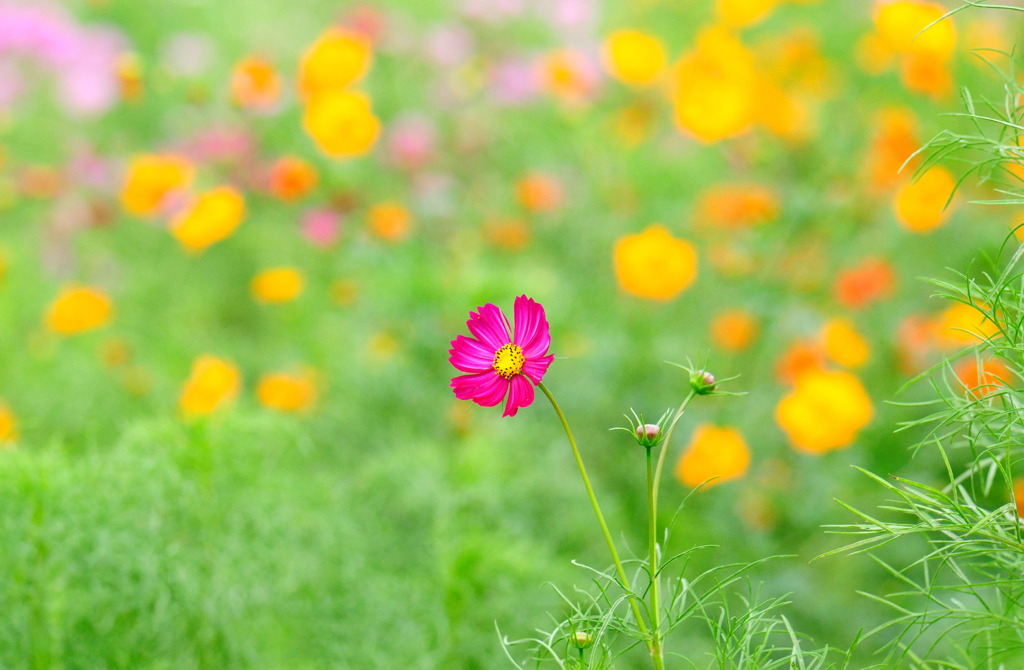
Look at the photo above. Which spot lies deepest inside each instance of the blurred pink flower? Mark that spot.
(221, 144)
(89, 83)
(571, 15)
(410, 142)
(502, 361)
(514, 82)
(83, 60)
(492, 11)
(448, 44)
(321, 226)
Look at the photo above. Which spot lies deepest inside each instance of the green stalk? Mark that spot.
(664, 445)
(653, 483)
(604, 526)
(652, 540)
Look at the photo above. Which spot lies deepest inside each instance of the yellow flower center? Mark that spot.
(508, 361)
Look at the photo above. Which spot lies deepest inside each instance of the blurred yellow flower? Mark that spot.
(287, 392)
(277, 285)
(962, 325)
(212, 383)
(389, 221)
(824, 411)
(909, 26)
(716, 87)
(740, 13)
(844, 345)
(210, 218)
(337, 59)
(786, 116)
(634, 57)
(733, 329)
(8, 426)
(342, 124)
(653, 264)
(921, 204)
(715, 454)
(151, 179)
(78, 309)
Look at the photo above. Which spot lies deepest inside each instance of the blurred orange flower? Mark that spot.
(209, 218)
(568, 74)
(894, 142)
(799, 357)
(634, 57)
(255, 84)
(1018, 495)
(511, 234)
(212, 383)
(869, 281)
(337, 59)
(824, 411)
(280, 284)
(151, 179)
(843, 344)
(981, 378)
(78, 309)
(539, 193)
(734, 206)
(733, 329)
(8, 426)
(342, 124)
(287, 392)
(716, 91)
(714, 455)
(653, 264)
(390, 221)
(921, 204)
(912, 30)
(292, 178)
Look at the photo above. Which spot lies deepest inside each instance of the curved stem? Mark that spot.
(633, 603)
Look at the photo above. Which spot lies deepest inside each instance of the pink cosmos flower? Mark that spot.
(502, 361)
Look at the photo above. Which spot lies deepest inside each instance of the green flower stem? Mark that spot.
(655, 609)
(664, 446)
(600, 520)
(653, 482)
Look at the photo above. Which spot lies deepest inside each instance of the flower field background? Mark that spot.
(238, 237)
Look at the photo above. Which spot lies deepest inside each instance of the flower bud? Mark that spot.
(581, 639)
(648, 434)
(702, 382)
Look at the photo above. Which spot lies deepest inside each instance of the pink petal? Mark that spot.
(489, 326)
(520, 394)
(485, 388)
(469, 355)
(534, 368)
(532, 332)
